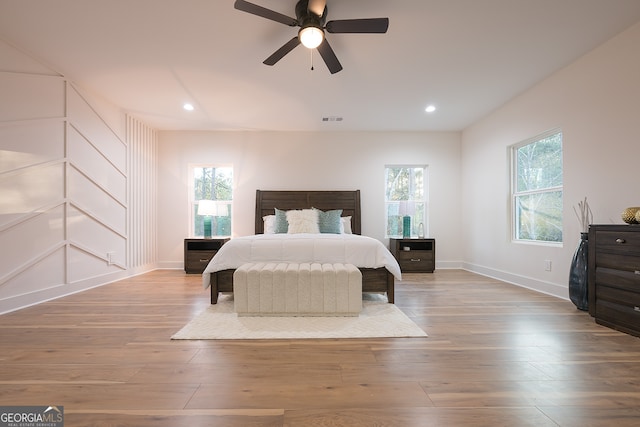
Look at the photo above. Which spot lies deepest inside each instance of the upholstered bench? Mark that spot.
(305, 289)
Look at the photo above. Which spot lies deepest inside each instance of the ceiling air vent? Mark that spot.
(332, 119)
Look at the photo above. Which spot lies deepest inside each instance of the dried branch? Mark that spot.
(585, 216)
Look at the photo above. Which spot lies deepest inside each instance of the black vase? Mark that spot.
(578, 274)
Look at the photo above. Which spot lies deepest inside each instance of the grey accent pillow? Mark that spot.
(329, 221)
(282, 226)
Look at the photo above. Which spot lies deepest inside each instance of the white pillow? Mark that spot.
(269, 226)
(303, 221)
(345, 225)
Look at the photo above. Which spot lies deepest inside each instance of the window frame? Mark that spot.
(193, 204)
(515, 194)
(424, 201)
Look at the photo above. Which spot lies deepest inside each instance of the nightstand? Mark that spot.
(198, 253)
(414, 255)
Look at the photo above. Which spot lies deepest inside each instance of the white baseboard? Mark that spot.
(171, 265)
(449, 265)
(548, 288)
(19, 302)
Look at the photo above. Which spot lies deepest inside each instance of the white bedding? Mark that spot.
(361, 251)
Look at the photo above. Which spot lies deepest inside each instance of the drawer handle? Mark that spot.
(620, 241)
(204, 260)
(637, 272)
(636, 308)
(415, 259)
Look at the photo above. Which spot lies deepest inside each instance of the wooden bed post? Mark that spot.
(391, 288)
(214, 288)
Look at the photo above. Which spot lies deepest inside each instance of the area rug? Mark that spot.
(378, 319)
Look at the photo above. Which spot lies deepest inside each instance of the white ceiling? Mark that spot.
(467, 57)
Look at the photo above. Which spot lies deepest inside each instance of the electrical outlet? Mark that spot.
(110, 258)
(547, 265)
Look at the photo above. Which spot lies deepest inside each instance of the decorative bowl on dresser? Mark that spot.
(198, 253)
(614, 276)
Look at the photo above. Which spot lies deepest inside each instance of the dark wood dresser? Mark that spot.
(198, 253)
(414, 255)
(614, 276)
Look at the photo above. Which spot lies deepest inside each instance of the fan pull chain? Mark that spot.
(311, 53)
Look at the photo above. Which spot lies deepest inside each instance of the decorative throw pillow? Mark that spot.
(281, 225)
(269, 224)
(303, 221)
(345, 225)
(329, 221)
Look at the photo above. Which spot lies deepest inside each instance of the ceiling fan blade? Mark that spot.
(369, 25)
(263, 12)
(280, 53)
(317, 7)
(329, 57)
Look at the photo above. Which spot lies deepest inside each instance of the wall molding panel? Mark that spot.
(95, 131)
(48, 236)
(95, 200)
(17, 152)
(27, 191)
(77, 201)
(143, 200)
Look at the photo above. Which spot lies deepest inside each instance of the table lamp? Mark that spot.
(208, 209)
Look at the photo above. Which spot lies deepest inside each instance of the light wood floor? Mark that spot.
(496, 355)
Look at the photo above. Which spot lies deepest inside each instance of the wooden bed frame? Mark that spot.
(373, 279)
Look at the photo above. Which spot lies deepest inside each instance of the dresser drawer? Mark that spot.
(618, 316)
(618, 242)
(199, 259)
(618, 278)
(621, 296)
(416, 260)
(629, 263)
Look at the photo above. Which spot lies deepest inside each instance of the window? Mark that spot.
(537, 188)
(212, 183)
(405, 195)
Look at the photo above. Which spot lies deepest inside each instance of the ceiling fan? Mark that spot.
(310, 17)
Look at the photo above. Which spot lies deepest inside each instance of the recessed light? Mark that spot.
(430, 108)
(188, 107)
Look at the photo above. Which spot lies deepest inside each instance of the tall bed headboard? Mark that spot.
(348, 201)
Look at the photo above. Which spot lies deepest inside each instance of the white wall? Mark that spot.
(71, 188)
(309, 161)
(78, 179)
(596, 103)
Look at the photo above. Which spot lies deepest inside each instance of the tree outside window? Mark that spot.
(405, 195)
(216, 184)
(537, 188)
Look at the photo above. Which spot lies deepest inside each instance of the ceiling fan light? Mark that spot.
(311, 37)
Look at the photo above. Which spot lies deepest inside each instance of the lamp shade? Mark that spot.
(311, 37)
(207, 207)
